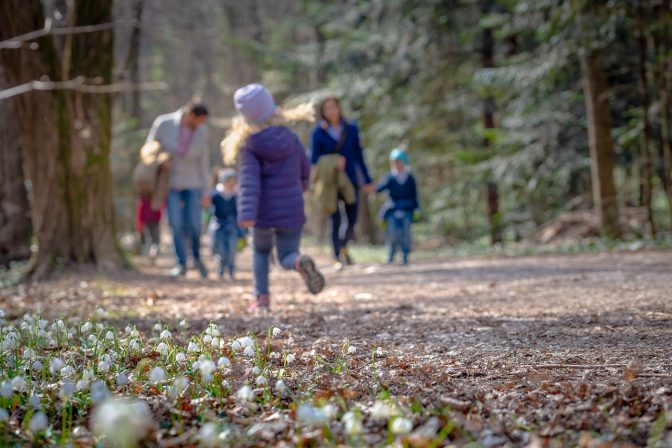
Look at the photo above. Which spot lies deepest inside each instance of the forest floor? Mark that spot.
(525, 351)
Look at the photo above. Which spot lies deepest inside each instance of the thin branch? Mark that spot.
(17, 42)
(78, 85)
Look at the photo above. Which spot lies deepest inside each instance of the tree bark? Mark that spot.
(646, 176)
(601, 146)
(66, 138)
(663, 47)
(488, 121)
(15, 226)
(133, 65)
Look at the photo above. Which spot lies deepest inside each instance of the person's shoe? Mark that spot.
(202, 269)
(338, 266)
(311, 275)
(178, 271)
(153, 251)
(261, 303)
(345, 257)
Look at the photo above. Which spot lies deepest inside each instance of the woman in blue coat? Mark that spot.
(335, 135)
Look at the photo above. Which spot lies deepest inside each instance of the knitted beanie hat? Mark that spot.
(255, 103)
(401, 155)
(226, 174)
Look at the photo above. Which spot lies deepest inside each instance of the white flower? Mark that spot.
(9, 342)
(82, 386)
(157, 326)
(183, 324)
(103, 367)
(215, 342)
(162, 348)
(39, 423)
(379, 351)
(67, 372)
(36, 366)
(35, 401)
(55, 365)
(192, 347)
(128, 329)
(352, 350)
(29, 353)
(276, 331)
(135, 334)
(401, 425)
(207, 339)
(92, 339)
(134, 345)
(245, 393)
(86, 327)
(19, 384)
(246, 341)
(88, 375)
(353, 424)
(180, 357)
(249, 351)
(208, 435)
(212, 330)
(99, 392)
(311, 416)
(281, 387)
(290, 358)
(122, 422)
(122, 380)
(261, 380)
(196, 365)
(179, 385)
(6, 389)
(4, 415)
(256, 370)
(109, 336)
(236, 345)
(381, 410)
(222, 344)
(330, 410)
(100, 327)
(165, 334)
(157, 375)
(207, 367)
(223, 362)
(67, 390)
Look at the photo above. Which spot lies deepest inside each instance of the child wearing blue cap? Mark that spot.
(225, 223)
(402, 202)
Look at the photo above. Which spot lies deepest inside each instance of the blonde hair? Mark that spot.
(241, 130)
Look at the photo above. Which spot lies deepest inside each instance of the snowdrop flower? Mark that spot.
(281, 387)
(4, 415)
(379, 351)
(246, 341)
(29, 353)
(55, 365)
(101, 312)
(67, 390)
(162, 348)
(208, 435)
(401, 425)
(249, 351)
(122, 380)
(100, 327)
(179, 385)
(276, 331)
(256, 370)
(99, 392)
(157, 375)
(290, 358)
(353, 424)
(88, 375)
(212, 330)
(103, 367)
(35, 401)
(165, 334)
(67, 372)
(109, 336)
(330, 411)
(82, 386)
(245, 393)
(39, 423)
(135, 334)
(157, 327)
(196, 365)
(207, 367)
(134, 345)
(19, 384)
(6, 389)
(352, 350)
(183, 324)
(36, 366)
(122, 422)
(180, 357)
(192, 347)
(207, 339)
(261, 380)
(215, 343)
(380, 410)
(236, 345)
(86, 327)
(311, 416)
(92, 339)
(223, 362)
(9, 342)
(128, 329)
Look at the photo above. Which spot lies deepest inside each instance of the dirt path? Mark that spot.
(466, 329)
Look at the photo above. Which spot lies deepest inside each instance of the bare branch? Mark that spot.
(17, 42)
(79, 85)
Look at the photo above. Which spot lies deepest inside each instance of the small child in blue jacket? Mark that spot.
(402, 202)
(224, 216)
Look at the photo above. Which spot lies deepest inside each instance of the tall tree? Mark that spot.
(598, 114)
(65, 134)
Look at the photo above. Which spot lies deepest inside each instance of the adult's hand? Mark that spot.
(369, 188)
(246, 224)
(341, 163)
(205, 201)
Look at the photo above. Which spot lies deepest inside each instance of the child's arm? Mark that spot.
(414, 192)
(249, 189)
(315, 149)
(305, 166)
(383, 184)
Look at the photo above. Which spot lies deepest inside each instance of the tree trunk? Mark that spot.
(133, 65)
(663, 46)
(66, 138)
(488, 120)
(15, 227)
(601, 146)
(646, 177)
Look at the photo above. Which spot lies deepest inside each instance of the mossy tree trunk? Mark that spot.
(66, 135)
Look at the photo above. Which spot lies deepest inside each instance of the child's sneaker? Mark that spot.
(311, 275)
(261, 303)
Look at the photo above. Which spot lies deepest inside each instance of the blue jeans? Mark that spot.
(226, 247)
(287, 242)
(399, 233)
(184, 216)
(337, 241)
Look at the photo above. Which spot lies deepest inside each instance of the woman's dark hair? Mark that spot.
(197, 109)
(324, 103)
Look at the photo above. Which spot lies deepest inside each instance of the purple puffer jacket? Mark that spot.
(274, 173)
